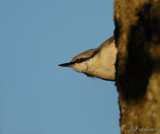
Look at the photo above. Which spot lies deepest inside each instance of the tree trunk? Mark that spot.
(137, 35)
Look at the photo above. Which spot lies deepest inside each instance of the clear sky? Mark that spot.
(36, 95)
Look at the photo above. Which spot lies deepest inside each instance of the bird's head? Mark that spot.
(82, 62)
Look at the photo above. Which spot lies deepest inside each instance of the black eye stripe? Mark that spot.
(81, 60)
(85, 59)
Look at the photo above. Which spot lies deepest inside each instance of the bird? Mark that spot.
(98, 62)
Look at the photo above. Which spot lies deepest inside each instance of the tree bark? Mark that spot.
(137, 35)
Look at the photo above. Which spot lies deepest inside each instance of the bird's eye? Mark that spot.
(80, 60)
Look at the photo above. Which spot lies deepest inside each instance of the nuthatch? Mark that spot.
(98, 62)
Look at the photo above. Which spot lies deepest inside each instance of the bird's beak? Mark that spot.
(66, 64)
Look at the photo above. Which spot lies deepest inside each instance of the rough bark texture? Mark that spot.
(137, 37)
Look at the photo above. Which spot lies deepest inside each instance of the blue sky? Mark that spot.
(36, 95)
